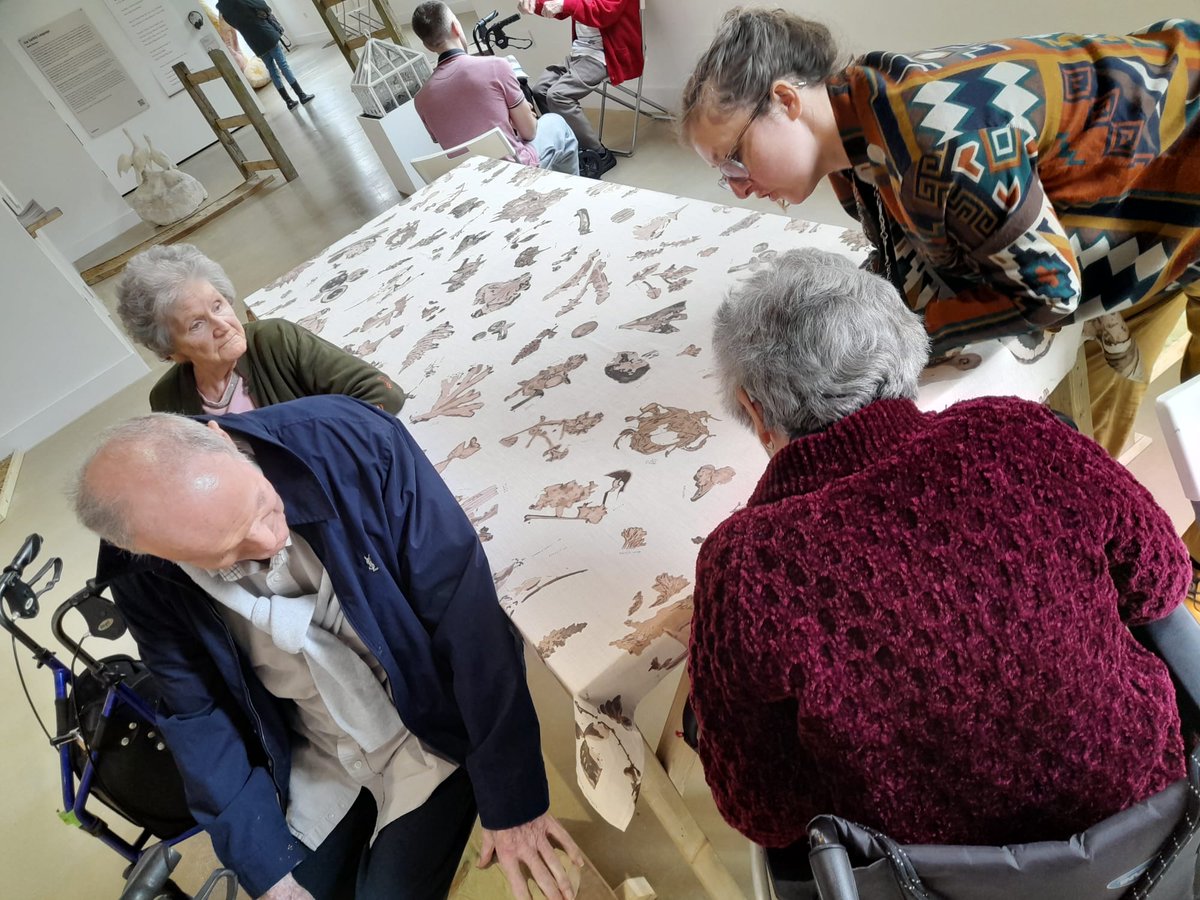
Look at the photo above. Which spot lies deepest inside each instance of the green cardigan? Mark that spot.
(282, 362)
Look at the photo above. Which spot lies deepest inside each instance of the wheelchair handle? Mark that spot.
(831, 867)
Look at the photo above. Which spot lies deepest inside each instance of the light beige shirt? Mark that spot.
(588, 42)
(329, 768)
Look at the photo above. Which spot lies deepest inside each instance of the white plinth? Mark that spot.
(398, 137)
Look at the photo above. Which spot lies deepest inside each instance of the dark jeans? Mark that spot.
(414, 858)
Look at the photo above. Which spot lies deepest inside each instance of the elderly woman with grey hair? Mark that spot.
(178, 303)
(918, 622)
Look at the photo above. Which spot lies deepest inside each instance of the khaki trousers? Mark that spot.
(1115, 400)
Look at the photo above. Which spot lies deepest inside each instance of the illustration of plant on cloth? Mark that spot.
(673, 620)
(557, 638)
(458, 396)
(599, 730)
(430, 341)
(544, 429)
(530, 206)
(675, 277)
(474, 507)
(499, 294)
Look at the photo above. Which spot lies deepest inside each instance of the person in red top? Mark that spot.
(919, 621)
(606, 43)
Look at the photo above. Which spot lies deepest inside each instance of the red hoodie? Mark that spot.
(620, 24)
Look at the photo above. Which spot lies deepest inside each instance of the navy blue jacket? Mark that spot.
(414, 583)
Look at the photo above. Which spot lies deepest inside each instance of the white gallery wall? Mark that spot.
(34, 146)
(63, 354)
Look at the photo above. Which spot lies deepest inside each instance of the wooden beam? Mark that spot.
(355, 42)
(250, 107)
(257, 165)
(231, 122)
(1073, 397)
(203, 75)
(211, 117)
(171, 233)
(43, 220)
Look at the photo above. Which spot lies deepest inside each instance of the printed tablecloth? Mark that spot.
(553, 334)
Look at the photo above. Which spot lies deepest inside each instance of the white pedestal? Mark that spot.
(398, 137)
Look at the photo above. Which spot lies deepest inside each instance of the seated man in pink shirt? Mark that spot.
(469, 95)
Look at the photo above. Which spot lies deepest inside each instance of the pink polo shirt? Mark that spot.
(468, 95)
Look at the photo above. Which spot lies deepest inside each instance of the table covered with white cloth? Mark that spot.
(554, 336)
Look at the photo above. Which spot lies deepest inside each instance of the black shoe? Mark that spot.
(589, 165)
(291, 104)
(605, 160)
(304, 98)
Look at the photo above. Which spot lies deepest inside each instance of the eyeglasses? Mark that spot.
(733, 169)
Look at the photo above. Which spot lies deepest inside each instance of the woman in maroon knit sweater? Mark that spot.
(919, 621)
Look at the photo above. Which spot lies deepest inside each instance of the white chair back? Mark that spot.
(492, 144)
(1179, 415)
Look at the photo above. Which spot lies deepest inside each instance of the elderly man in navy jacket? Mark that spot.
(341, 688)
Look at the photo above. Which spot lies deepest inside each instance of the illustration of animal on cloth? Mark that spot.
(581, 424)
(689, 429)
(359, 247)
(499, 294)
(549, 377)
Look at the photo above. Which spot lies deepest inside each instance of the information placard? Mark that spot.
(81, 67)
(153, 32)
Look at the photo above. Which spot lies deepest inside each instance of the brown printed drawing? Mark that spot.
(543, 430)
(682, 429)
(499, 329)
(589, 275)
(660, 322)
(534, 345)
(474, 506)
(499, 294)
(634, 537)
(458, 396)
(464, 273)
(549, 377)
(561, 497)
(359, 247)
(672, 620)
(708, 477)
(431, 341)
(462, 451)
(556, 638)
(316, 322)
(530, 206)
(653, 229)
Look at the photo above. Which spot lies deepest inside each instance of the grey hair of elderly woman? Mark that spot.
(813, 338)
(153, 282)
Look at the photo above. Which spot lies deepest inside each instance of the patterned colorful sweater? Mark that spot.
(1027, 181)
(919, 623)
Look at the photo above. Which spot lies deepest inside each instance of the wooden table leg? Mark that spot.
(1072, 396)
(665, 801)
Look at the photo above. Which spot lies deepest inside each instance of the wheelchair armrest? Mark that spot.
(1176, 639)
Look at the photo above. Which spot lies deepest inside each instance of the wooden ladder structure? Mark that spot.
(350, 43)
(222, 126)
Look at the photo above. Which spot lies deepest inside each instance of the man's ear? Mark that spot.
(219, 430)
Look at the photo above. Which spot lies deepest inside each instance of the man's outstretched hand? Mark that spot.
(550, 9)
(532, 845)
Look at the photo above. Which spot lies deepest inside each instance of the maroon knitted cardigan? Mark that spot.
(919, 623)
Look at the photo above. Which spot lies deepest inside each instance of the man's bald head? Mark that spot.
(153, 468)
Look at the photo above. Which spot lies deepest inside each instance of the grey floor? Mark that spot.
(341, 186)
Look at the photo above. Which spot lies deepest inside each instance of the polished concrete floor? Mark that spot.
(341, 186)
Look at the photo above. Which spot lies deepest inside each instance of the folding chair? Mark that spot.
(657, 113)
(492, 144)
